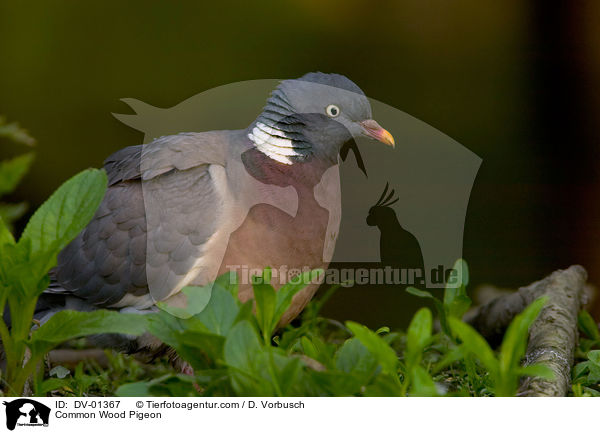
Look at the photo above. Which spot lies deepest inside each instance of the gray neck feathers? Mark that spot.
(278, 131)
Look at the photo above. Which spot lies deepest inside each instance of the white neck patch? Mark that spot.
(274, 143)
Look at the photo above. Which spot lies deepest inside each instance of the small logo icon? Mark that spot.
(26, 412)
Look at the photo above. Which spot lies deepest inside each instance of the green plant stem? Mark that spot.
(25, 373)
(272, 373)
(405, 383)
(6, 342)
(472, 373)
(18, 335)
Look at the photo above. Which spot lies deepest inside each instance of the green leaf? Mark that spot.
(594, 373)
(286, 293)
(51, 385)
(309, 348)
(15, 133)
(166, 386)
(134, 389)
(199, 339)
(287, 372)
(383, 330)
(456, 301)
(68, 324)
(60, 372)
(439, 306)
(588, 325)
(420, 293)
(11, 212)
(459, 306)
(591, 392)
(243, 355)
(174, 386)
(221, 311)
(580, 369)
(418, 334)
(245, 312)
(241, 346)
(197, 298)
(271, 305)
(462, 272)
(266, 275)
(382, 386)
(229, 282)
(422, 385)
(515, 339)
(449, 358)
(331, 383)
(191, 345)
(165, 326)
(6, 236)
(68, 210)
(585, 344)
(384, 354)
(354, 358)
(475, 344)
(594, 357)
(265, 297)
(537, 370)
(12, 171)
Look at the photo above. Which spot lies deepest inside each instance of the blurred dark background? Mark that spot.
(516, 81)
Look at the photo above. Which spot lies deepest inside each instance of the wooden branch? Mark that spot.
(552, 337)
(72, 357)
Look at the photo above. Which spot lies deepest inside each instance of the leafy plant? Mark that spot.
(15, 133)
(504, 369)
(13, 170)
(236, 352)
(418, 337)
(586, 373)
(228, 346)
(456, 302)
(24, 276)
(99, 376)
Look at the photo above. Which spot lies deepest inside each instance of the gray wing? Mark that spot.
(150, 229)
(107, 260)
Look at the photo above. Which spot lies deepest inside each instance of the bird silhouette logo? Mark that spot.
(26, 412)
(398, 247)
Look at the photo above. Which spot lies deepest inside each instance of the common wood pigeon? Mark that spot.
(188, 207)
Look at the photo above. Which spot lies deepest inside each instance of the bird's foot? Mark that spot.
(188, 370)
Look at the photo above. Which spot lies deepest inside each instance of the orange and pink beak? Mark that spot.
(372, 129)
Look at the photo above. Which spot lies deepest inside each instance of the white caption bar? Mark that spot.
(289, 415)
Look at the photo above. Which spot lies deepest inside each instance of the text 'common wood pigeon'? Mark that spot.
(186, 208)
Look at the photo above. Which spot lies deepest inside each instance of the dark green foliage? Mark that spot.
(586, 373)
(455, 302)
(505, 369)
(13, 170)
(15, 133)
(23, 277)
(233, 351)
(89, 378)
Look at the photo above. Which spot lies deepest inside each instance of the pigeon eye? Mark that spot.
(332, 110)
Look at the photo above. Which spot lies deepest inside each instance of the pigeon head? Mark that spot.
(313, 116)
